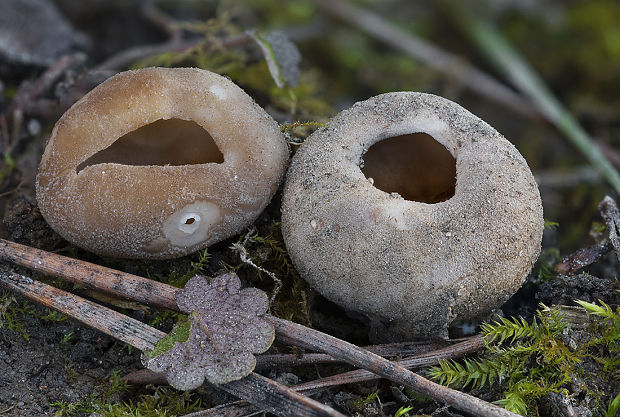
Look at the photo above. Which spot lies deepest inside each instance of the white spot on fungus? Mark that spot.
(191, 225)
(218, 91)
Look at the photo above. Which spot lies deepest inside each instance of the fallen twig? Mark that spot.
(115, 282)
(240, 408)
(303, 336)
(29, 98)
(417, 361)
(582, 258)
(417, 354)
(315, 340)
(256, 389)
(587, 256)
(117, 325)
(30, 91)
(267, 361)
(609, 212)
(433, 56)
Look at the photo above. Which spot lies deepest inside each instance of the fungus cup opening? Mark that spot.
(163, 142)
(415, 165)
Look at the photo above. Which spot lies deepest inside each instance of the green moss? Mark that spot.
(403, 412)
(297, 132)
(268, 251)
(613, 407)
(164, 402)
(11, 311)
(280, 13)
(357, 406)
(530, 360)
(199, 266)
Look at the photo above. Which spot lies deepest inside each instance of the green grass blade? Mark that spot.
(524, 77)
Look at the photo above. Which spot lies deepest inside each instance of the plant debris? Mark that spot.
(224, 328)
(48, 37)
(582, 258)
(282, 57)
(609, 212)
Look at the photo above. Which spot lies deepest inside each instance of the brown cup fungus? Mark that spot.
(158, 163)
(413, 211)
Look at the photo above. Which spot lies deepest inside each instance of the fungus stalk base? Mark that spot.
(415, 166)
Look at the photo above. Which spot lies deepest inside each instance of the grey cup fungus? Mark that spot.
(158, 163)
(409, 245)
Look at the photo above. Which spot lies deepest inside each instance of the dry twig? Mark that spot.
(309, 388)
(422, 354)
(30, 97)
(142, 288)
(92, 276)
(145, 376)
(609, 212)
(473, 344)
(267, 361)
(587, 256)
(582, 258)
(256, 389)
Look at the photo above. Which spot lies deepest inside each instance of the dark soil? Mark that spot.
(37, 370)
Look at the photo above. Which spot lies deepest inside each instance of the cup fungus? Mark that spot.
(158, 163)
(445, 225)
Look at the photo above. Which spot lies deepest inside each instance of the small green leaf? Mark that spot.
(179, 333)
(224, 329)
(614, 406)
(403, 411)
(282, 57)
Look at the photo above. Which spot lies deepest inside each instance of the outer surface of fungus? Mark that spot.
(158, 163)
(412, 267)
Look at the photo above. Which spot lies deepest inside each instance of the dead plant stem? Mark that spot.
(256, 389)
(139, 288)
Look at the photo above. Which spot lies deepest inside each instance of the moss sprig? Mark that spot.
(197, 267)
(610, 317)
(527, 360)
(547, 323)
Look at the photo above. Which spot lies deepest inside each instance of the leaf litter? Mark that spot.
(224, 328)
